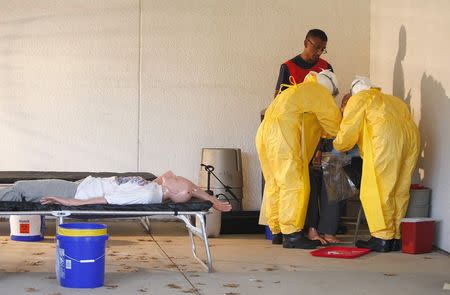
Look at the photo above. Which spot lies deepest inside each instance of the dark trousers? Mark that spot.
(322, 214)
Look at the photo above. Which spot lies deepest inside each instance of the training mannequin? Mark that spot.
(110, 190)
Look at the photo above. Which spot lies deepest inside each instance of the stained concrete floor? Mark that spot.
(161, 263)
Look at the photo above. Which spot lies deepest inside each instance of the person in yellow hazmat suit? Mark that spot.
(286, 140)
(389, 142)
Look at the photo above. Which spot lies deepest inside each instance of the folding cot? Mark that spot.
(182, 211)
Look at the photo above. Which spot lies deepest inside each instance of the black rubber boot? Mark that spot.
(300, 241)
(375, 244)
(396, 245)
(277, 239)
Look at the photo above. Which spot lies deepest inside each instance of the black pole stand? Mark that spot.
(227, 188)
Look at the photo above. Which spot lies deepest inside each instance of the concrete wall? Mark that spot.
(409, 57)
(144, 85)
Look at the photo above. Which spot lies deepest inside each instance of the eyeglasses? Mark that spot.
(318, 48)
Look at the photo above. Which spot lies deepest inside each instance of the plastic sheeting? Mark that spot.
(337, 183)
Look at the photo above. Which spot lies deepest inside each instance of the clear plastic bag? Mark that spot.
(337, 183)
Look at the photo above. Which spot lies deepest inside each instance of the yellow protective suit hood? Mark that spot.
(388, 140)
(286, 141)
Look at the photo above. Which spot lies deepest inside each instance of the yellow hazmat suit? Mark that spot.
(286, 141)
(388, 141)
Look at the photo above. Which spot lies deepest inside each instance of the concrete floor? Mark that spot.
(161, 263)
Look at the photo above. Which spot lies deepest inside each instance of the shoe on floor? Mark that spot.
(300, 241)
(396, 245)
(277, 239)
(375, 244)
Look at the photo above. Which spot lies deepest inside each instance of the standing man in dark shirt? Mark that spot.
(309, 60)
(315, 44)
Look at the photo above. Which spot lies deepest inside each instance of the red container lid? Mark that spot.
(340, 252)
(417, 219)
(417, 186)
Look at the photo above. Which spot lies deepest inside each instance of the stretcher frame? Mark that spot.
(184, 216)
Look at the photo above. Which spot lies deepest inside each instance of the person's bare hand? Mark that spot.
(317, 160)
(344, 101)
(57, 200)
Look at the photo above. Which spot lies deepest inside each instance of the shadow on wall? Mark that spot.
(398, 83)
(433, 126)
(434, 160)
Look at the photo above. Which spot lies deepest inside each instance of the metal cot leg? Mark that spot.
(201, 233)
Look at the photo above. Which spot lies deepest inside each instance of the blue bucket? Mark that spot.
(80, 255)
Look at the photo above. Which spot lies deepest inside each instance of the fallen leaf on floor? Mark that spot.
(190, 291)
(111, 286)
(38, 253)
(143, 258)
(259, 287)
(171, 266)
(253, 269)
(276, 282)
(168, 241)
(232, 293)
(231, 285)
(270, 269)
(123, 257)
(31, 290)
(51, 278)
(34, 263)
(390, 274)
(143, 290)
(194, 275)
(173, 286)
(145, 240)
(22, 270)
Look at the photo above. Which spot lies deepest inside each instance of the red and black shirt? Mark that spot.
(299, 68)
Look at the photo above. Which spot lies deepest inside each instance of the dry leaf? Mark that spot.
(390, 274)
(191, 291)
(31, 290)
(111, 286)
(173, 286)
(231, 285)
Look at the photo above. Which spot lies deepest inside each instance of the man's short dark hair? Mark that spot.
(318, 34)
